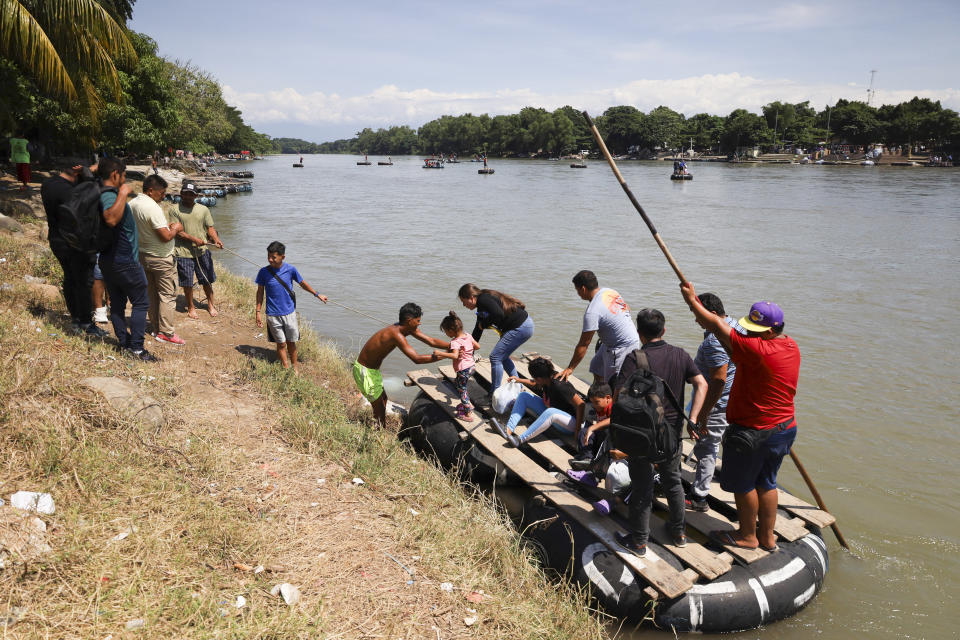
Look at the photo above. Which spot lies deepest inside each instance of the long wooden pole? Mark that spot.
(633, 198)
(816, 496)
(676, 270)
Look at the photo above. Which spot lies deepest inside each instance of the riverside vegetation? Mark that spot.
(184, 526)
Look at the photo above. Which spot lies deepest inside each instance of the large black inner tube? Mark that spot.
(746, 597)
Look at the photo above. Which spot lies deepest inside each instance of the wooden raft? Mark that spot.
(666, 580)
(704, 522)
(787, 529)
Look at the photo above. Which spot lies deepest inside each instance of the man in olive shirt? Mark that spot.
(190, 251)
(155, 237)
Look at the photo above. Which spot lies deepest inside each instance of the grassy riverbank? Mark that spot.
(250, 467)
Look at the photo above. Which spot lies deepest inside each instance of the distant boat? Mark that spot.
(486, 171)
(579, 165)
(433, 163)
(388, 163)
(681, 176)
(365, 162)
(867, 163)
(298, 164)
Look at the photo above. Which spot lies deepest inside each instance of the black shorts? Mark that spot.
(202, 266)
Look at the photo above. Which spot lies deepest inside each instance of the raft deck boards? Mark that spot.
(694, 555)
(659, 574)
(706, 521)
(797, 506)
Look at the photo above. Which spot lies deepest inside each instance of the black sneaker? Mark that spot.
(511, 439)
(582, 462)
(625, 540)
(94, 331)
(678, 539)
(691, 503)
(142, 355)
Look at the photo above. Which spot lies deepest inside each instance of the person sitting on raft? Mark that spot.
(556, 402)
(507, 316)
(366, 369)
(617, 476)
(460, 350)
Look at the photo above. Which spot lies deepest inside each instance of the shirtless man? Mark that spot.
(366, 369)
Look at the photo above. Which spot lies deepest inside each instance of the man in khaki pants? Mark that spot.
(156, 240)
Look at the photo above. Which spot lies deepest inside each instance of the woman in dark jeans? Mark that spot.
(507, 316)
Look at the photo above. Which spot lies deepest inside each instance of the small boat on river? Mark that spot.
(388, 163)
(681, 176)
(433, 163)
(365, 163)
(701, 587)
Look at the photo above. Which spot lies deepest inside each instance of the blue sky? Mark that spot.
(324, 70)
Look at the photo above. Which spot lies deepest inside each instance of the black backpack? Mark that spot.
(638, 426)
(80, 219)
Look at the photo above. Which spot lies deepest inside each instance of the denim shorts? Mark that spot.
(97, 274)
(744, 473)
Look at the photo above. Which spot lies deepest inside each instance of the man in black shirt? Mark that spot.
(77, 265)
(675, 367)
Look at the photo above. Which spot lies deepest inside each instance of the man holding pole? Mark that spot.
(760, 411)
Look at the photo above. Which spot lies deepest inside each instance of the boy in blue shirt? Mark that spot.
(277, 280)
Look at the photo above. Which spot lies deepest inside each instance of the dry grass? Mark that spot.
(232, 480)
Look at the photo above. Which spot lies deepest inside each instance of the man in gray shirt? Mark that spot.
(609, 316)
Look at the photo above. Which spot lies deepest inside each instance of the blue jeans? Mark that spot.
(126, 281)
(547, 417)
(500, 356)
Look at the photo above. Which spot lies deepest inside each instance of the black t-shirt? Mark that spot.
(559, 394)
(54, 192)
(490, 314)
(672, 364)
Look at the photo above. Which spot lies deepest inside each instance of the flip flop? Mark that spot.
(726, 539)
(770, 549)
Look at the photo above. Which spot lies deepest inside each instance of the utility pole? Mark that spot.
(776, 121)
(870, 90)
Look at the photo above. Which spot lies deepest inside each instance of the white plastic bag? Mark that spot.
(505, 395)
(33, 501)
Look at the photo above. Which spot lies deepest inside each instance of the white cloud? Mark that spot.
(715, 93)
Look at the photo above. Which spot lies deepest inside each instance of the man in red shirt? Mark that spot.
(761, 415)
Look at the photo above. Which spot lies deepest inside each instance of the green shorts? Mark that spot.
(369, 381)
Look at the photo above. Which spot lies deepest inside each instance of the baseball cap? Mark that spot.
(763, 315)
(188, 186)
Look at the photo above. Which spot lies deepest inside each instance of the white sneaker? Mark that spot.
(100, 315)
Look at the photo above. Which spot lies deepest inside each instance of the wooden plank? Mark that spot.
(702, 560)
(444, 396)
(704, 522)
(663, 577)
(789, 529)
(798, 507)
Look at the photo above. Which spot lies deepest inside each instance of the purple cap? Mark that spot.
(763, 315)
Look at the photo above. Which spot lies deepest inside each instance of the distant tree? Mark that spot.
(743, 129)
(705, 130)
(661, 129)
(621, 128)
(856, 123)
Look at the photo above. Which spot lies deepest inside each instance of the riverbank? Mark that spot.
(187, 490)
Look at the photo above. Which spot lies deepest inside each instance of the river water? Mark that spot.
(863, 260)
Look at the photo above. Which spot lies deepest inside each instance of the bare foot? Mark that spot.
(212, 310)
(192, 313)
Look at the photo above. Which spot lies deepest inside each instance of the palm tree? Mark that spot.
(68, 47)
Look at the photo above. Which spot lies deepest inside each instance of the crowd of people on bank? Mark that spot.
(743, 379)
(148, 251)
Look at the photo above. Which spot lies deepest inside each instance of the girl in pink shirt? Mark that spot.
(461, 352)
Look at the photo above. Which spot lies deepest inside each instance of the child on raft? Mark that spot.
(460, 350)
(276, 280)
(617, 475)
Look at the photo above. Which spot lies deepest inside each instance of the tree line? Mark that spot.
(74, 79)
(627, 130)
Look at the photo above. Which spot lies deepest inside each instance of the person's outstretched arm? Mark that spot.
(578, 352)
(408, 351)
(307, 287)
(713, 323)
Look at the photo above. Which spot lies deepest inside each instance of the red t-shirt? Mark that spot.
(766, 381)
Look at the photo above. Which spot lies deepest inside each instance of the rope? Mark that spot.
(334, 302)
